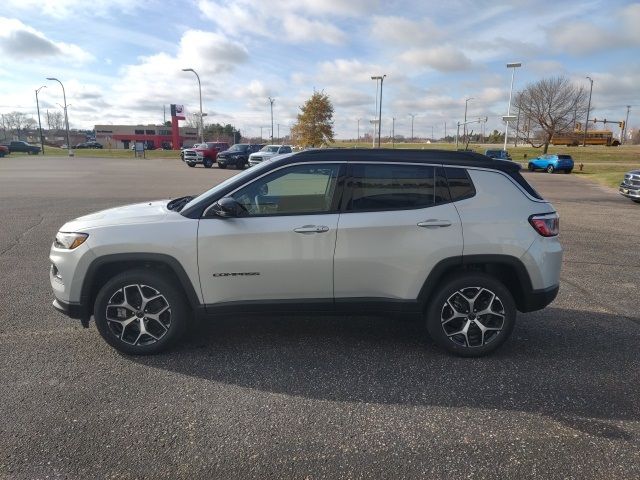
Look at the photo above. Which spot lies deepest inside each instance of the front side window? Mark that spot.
(299, 189)
(391, 187)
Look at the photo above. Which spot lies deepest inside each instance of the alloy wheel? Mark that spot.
(472, 316)
(138, 314)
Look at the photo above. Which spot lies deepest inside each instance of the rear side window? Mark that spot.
(391, 187)
(460, 185)
(564, 157)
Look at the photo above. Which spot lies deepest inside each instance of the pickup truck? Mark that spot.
(205, 153)
(20, 146)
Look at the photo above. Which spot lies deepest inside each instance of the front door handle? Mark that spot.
(311, 229)
(433, 223)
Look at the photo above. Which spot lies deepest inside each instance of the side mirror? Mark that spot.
(228, 207)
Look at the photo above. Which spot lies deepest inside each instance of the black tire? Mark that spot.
(634, 200)
(222, 166)
(550, 169)
(469, 344)
(191, 164)
(150, 281)
(568, 171)
(207, 162)
(530, 167)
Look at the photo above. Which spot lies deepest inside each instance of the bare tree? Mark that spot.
(55, 120)
(18, 122)
(547, 107)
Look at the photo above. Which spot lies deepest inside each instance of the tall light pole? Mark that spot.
(271, 100)
(513, 74)
(393, 132)
(586, 124)
(412, 115)
(464, 127)
(39, 123)
(200, 94)
(624, 130)
(66, 117)
(358, 139)
(381, 78)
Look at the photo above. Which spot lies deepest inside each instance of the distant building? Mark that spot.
(154, 136)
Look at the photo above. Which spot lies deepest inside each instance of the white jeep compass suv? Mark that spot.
(455, 237)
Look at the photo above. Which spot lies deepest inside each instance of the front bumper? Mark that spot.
(77, 311)
(629, 191)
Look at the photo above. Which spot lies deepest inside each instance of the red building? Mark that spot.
(154, 136)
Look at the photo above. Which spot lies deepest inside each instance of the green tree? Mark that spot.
(314, 127)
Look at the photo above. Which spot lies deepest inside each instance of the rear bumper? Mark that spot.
(538, 299)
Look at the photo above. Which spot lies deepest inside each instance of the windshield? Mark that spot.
(239, 147)
(220, 186)
(270, 148)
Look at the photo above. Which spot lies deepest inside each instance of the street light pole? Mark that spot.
(464, 127)
(271, 100)
(393, 132)
(39, 123)
(513, 74)
(200, 94)
(358, 139)
(381, 78)
(586, 124)
(624, 130)
(66, 117)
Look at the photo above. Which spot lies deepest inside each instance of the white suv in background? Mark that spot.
(267, 152)
(457, 238)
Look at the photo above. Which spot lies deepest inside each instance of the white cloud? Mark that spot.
(283, 20)
(444, 58)
(403, 31)
(66, 8)
(23, 42)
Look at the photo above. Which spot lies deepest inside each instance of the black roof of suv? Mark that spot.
(442, 157)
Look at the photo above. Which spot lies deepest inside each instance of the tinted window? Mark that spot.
(564, 157)
(300, 189)
(285, 150)
(460, 185)
(391, 187)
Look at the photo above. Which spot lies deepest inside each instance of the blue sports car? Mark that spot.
(551, 163)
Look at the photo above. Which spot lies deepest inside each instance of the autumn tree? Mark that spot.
(547, 107)
(314, 126)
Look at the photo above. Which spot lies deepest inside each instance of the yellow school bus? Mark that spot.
(594, 137)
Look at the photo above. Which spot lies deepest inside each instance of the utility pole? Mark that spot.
(624, 130)
(431, 133)
(464, 128)
(515, 142)
(271, 100)
(445, 131)
(278, 132)
(66, 117)
(412, 115)
(358, 139)
(40, 124)
(586, 124)
(393, 132)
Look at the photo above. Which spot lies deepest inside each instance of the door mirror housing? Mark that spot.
(228, 207)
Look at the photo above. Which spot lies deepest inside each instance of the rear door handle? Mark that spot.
(307, 229)
(433, 223)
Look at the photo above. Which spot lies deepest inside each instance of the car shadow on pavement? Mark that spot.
(579, 368)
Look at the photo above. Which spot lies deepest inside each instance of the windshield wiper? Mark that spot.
(178, 203)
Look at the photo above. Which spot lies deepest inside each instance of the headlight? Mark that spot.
(69, 241)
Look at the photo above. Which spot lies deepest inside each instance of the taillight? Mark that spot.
(546, 224)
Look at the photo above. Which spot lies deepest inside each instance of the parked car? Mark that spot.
(4, 150)
(630, 186)
(205, 153)
(183, 148)
(267, 152)
(551, 163)
(498, 154)
(88, 145)
(20, 146)
(414, 232)
(237, 155)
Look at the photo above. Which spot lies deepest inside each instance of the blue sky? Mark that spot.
(121, 60)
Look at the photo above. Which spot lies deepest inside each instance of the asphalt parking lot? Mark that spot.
(315, 397)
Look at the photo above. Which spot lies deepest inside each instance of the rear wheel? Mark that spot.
(140, 312)
(550, 169)
(471, 315)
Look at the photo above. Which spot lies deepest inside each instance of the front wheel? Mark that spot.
(550, 169)
(207, 162)
(223, 166)
(530, 167)
(471, 315)
(140, 312)
(191, 164)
